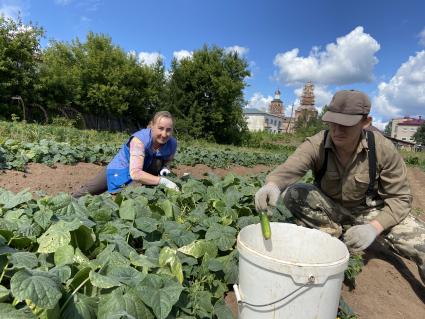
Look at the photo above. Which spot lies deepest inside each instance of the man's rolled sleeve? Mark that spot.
(297, 164)
(393, 186)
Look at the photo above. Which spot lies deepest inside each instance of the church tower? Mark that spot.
(306, 109)
(276, 106)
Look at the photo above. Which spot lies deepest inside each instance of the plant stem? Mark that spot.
(73, 293)
(3, 272)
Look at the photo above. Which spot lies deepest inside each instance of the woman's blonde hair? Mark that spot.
(159, 115)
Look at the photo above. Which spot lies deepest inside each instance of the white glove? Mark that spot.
(360, 237)
(265, 196)
(167, 183)
(164, 171)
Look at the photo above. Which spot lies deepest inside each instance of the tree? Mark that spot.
(98, 77)
(388, 128)
(419, 136)
(206, 94)
(20, 54)
(307, 125)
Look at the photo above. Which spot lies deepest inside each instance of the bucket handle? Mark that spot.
(239, 300)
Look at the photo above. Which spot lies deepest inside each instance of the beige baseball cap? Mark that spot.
(347, 108)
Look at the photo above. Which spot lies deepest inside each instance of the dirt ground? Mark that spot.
(388, 287)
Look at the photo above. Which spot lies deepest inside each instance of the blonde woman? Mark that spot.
(143, 158)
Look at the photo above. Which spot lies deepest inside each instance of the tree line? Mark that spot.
(97, 77)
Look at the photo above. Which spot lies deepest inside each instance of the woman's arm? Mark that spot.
(137, 158)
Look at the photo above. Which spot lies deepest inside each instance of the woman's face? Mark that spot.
(162, 130)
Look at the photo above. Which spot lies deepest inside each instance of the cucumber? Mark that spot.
(265, 225)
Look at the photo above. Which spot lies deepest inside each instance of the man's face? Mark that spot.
(344, 136)
(162, 130)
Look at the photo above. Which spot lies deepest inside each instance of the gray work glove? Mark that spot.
(164, 171)
(360, 237)
(265, 196)
(167, 183)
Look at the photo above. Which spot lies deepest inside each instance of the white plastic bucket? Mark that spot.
(306, 265)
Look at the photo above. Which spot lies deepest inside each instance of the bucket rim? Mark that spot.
(336, 263)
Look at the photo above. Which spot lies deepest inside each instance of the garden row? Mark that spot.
(16, 154)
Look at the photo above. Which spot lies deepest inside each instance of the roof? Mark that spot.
(253, 111)
(412, 122)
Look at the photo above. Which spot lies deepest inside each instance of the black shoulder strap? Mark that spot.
(321, 172)
(372, 161)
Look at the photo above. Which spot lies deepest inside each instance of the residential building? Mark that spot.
(273, 121)
(404, 128)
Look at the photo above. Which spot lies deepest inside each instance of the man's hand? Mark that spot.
(164, 171)
(265, 196)
(167, 183)
(360, 237)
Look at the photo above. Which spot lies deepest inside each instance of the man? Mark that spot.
(361, 187)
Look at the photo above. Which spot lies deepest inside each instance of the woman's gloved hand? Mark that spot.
(164, 171)
(265, 196)
(360, 237)
(167, 183)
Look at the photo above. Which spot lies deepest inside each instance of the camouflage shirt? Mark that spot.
(347, 186)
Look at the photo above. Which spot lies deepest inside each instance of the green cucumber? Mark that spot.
(265, 225)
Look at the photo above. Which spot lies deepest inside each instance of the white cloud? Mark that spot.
(404, 94)
(379, 124)
(351, 59)
(150, 58)
(241, 51)
(11, 9)
(422, 37)
(258, 101)
(322, 96)
(182, 54)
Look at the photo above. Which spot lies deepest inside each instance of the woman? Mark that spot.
(143, 158)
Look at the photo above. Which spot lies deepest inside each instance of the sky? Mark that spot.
(376, 46)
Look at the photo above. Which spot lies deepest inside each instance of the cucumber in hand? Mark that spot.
(265, 225)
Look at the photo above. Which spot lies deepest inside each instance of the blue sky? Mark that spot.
(375, 46)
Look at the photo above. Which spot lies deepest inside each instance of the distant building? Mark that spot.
(258, 120)
(404, 128)
(306, 110)
(272, 121)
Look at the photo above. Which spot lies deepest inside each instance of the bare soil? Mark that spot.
(388, 287)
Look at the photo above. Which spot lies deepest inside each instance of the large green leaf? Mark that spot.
(122, 303)
(80, 307)
(198, 248)
(146, 224)
(38, 286)
(7, 311)
(102, 281)
(64, 255)
(167, 208)
(4, 293)
(43, 217)
(85, 237)
(10, 200)
(24, 260)
(224, 236)
(159, 293)
(143, 261)
(125, 274)
(56, 236)
(169, 257)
